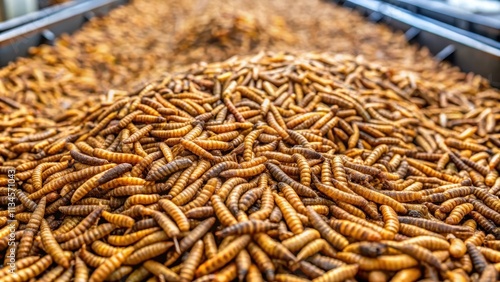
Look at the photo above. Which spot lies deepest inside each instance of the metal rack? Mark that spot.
(484, 25)
(467, 50)
(34, 16)
(44, 26)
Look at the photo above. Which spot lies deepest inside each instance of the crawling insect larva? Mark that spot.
(243, 263)
(88, 237)
(457, 247)
(410, 274)
(267, 205)
(429, 242)
(384, 262)
(377, 197)
(341, 273)
(30, 272)
(281, 176)
(111, 265)
(116, 157)
(86, 187)
(192, 262)
(31, 228)
(434, 226)
(224, 256)
(417, 252)
(163, 221)
(118, 219)
(478, 259)
(177, 215)
(391, 222)
(244, 172)
(105, 250)
(197, 233)
(298, 241)
(147, 252)
(490, 255)
(222, 212)
(199, 213)
(159, 269)
(210, 245)
(314, 247)
(339, 195)
(354, 230)
(168, 169)
(334, 238)
(458, 213)
(247, 227)
(51, 246)
(69, 178)
(289, 214)
(196, 149)
(274, 248)
(203, 196)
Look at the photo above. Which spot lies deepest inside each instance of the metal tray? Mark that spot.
(43, 27)
(33, 16)
(487, 25)
(467, 50)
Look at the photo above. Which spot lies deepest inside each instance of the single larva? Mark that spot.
(192, 262)
(334, 238)
(51, 246)
(159, 269)
(224, 256)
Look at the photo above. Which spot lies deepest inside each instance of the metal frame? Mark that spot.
(483, 25)
(15, 42)
(469, 51)
(34, 16)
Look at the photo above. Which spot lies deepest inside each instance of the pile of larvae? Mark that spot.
(273, 167)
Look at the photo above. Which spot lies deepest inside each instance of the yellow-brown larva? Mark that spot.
(104, 249)
(458, 213)
(175, 212)
(51, 245)
(267, 205)
(377, 197)
(88, 237)
(341, 273)
(29, 272)
(148, 252)
(192, 262)
(158, 269)
(69, 178)
(168, 169)
(274, 248)
(203, 196)
(391, 222)
(86, 187)
(224, 256)
(244, 172)
(196, 149)
(247, 227)
(330, 235)
(289, 214)
(111, 264)
(354, 230)
(418, 252)
(118, 219)
(116, 157)
(314, 247)
(31, 228)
